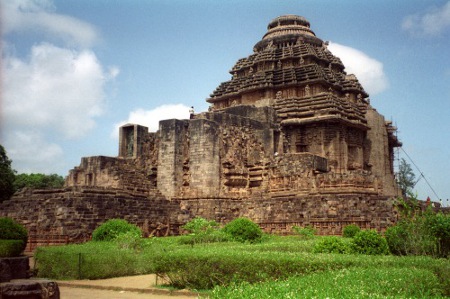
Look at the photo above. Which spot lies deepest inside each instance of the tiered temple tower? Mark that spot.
(321, 109)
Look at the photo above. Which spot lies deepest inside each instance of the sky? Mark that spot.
(73, 71)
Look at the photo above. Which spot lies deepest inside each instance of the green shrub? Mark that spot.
(203, 231)
(12, 230)
(306, 232)
(243, 230)
(113, 228)
(419, 232)
(350, 231)
(91, 260)
(332, 245)
(199, 225)
(10, 248)
(439, 227)
(370, 242)
(204, 237)
(398, 239)
(129, 240)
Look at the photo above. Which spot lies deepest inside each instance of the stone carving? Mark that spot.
(307, 90)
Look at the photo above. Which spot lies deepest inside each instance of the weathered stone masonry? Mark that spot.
(290, 139)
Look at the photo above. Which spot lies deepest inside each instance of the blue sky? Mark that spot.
(74, 70)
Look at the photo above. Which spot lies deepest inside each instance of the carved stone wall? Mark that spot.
(73, 213)
(327, 213)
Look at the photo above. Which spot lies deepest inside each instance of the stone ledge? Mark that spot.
(29, 288)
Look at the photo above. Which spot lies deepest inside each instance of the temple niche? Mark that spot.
(290, 139)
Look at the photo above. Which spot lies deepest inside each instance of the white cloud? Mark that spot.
(55, 92)
(56, 88)
(433, 22)
(368, 70)
(151, 118)
(39, 15)
(31, 152)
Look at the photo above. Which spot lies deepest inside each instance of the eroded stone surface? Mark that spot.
(29, 289)
(14, 268)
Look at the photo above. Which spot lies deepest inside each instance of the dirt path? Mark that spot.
(79, 293)
(140, 286)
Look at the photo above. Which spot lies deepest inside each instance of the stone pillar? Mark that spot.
(173, 139)
(204, 160)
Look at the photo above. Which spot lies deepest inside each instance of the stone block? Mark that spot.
(14, 268)
(29, 289)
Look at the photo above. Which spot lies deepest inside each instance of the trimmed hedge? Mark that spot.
(113, 228)
(12, 230)
(11, 248)
(243, 230)
(350, 231)
(370, 242)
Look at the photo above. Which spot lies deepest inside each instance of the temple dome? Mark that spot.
(287, 25)
(288, 29)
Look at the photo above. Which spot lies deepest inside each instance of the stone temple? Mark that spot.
(290, 139)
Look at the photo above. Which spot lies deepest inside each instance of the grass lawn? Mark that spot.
(277, 267)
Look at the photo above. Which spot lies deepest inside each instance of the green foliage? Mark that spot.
(113, 228)
(306, 232)
(204, 237)
(38, 181)
(397, 239)
(205, 267)
(350, 231)
(237, 264)
(419, 232)
(129, 240)
(203, 231)
(373, 282)
(10, 248)
(12, 230)
(370, 242)
(243, 230)
(439, 226)
(6, 176)
(199, 225)
(332, 244)
(406, 178)
(92, 260)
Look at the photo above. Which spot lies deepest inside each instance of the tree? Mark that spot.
(6, 176)
(406, 178)
(38, 181)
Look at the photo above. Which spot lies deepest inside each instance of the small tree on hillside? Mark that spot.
(406, 178)
(6, 176)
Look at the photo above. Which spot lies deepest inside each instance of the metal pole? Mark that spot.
(79, 265)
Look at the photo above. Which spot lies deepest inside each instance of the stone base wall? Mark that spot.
(70, 215)
(327, 213)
